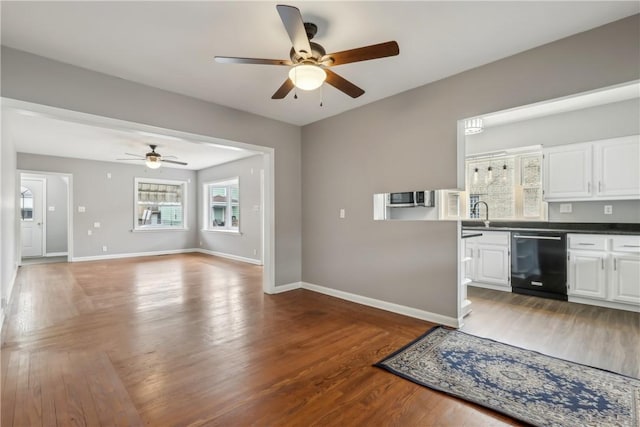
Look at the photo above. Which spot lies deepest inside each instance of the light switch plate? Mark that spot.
(96, 225)
(566, 208)
(81, 209)
(342, 213)
(51, 209)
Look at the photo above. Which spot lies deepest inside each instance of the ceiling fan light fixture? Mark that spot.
(153, 162)
(307, 76)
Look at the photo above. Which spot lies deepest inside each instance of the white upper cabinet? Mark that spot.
(567, 172)
(617, 167)
(600, 170)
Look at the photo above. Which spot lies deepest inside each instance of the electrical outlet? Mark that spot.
(108, 175)
(342, 213)
(89, 232)
(104, 249)
(608, 209)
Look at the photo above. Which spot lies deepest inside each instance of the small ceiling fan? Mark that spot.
(153, 159)
(309, 61)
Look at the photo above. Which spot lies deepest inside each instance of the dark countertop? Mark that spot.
(569, 227)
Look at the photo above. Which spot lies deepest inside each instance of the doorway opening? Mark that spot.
(45, 217)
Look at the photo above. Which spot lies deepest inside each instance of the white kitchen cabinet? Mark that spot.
(567, 172)
(604, 270)
(607, 169)
(587, 274)
(488, 260)
(617, 167)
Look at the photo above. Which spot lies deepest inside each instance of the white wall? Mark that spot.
(32, 78)
(110, 201)
(237, 245)
(8, 225)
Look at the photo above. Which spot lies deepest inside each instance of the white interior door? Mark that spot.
(31, 217)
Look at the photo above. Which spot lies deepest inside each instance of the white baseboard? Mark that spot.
(131, 255)
(384, 305)
(10, 296)
(607, 304)
(229, 256)
(52, 254)
(286, 288)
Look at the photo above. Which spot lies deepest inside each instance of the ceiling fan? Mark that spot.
(153, 159)
(309, 61)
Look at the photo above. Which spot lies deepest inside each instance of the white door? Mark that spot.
(587, 274)
(31, 217)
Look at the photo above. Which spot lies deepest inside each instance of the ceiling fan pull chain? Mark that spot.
(321, 94)
(295, 90)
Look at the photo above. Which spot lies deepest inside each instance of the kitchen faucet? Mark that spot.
(475, 205)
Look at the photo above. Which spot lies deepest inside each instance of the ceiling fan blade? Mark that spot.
(283, 90)
(293, 23)
(258, 61)
(343, 84)
(174, 162)
(135, 155)
(137, 160)
(375, 51)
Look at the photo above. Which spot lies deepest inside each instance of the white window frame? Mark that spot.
(145, 228)
(227, 182)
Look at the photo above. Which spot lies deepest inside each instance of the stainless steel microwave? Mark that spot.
(409, 199)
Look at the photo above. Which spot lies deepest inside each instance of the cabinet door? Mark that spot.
(567, 172)
(625, 278)
(587, 274)
(493, 265)
(470, 254)
(617, 167)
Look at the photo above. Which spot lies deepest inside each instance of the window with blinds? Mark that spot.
(222, 205)
(160, 204)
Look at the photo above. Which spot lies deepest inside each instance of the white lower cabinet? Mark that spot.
(488, 263)
(586, 274)
(604, 270)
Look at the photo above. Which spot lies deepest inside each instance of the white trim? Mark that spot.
(502, 288)
(229, 256)
(286, 288)
(184, 203)
(52, 254)
(132, 255)
(10, 296)
(206, 205)
(384, 305)
(608, 304)
(232, 232)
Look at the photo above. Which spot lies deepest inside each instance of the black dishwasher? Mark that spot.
(539, 264)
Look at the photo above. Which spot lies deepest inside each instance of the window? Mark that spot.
(160, 204)
(510, 184)
(222, 205)
(26, 204)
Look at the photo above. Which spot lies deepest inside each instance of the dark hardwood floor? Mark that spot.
(595, 336)
(191, 340)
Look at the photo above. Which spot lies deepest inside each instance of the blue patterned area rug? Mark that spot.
(523, 384)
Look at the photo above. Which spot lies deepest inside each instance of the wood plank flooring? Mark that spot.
(191, 340)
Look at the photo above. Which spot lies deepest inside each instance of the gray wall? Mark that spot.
(8, 225)
(36, 79)
(409, 141)
(250, 218)
(589, 124)
(110, 202)
(57, 219)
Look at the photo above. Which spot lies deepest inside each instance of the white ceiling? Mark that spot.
(89, 137)
(171, 45)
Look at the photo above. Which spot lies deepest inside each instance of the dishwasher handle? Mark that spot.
(517, 236)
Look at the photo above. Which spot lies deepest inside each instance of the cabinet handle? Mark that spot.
(602, 262)
(615, 264)
(589, 187)
(631, 246)
(587, 244)
(599, 186)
